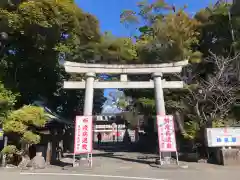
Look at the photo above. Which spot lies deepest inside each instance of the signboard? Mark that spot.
(83, 135)
(166, 134)
(1, 134)
(219, 137)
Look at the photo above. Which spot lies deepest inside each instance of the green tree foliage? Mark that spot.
(21, 121)
(7, 102)
(165, 36)
(42, 32)
(215, 30)
(168, 35)
(9, 150)
(175, 36)
(115, 50)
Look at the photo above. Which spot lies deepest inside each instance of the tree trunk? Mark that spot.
(179, 122)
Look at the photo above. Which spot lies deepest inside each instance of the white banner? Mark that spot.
(83, 135)
(166, 134)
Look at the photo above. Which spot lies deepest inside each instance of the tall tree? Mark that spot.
(175, 36)
(165, 37)
(41, 32)
(215, 30)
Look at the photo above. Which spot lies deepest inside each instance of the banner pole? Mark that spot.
(91, 161)
(160, 157)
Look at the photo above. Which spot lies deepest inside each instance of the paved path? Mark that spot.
(123, 166)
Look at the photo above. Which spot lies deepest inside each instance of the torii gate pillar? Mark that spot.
(159, 97)
(89, 91)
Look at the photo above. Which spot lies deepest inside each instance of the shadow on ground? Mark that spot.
(61, 164)
(123, 155)
(142, 160)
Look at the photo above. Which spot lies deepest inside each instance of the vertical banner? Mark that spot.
(166, 134)
(83, 135)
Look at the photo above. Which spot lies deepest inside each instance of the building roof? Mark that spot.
(53, 117)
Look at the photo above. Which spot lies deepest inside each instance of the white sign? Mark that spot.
(219, 137)
(166, 134)
(104, 126)
(83, 135)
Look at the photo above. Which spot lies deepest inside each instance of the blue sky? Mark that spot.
(108, 11)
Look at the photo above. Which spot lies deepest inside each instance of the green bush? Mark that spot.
(9, 150)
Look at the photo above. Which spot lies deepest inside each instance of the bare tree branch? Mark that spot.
(214, 95)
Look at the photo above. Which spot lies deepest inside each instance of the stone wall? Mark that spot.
(229, 157)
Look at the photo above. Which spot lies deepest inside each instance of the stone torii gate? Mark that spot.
(156, 70)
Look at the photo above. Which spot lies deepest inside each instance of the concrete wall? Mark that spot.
(229, 157)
